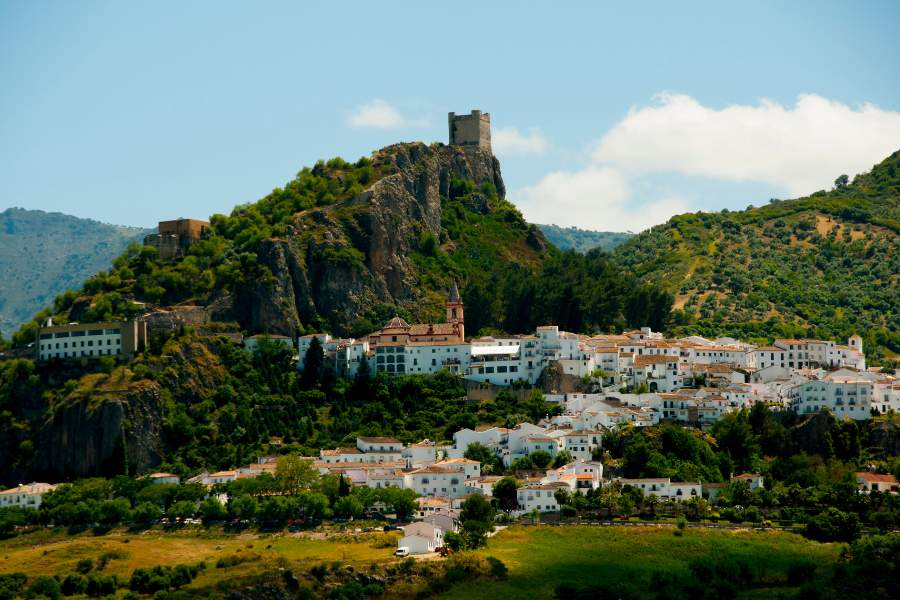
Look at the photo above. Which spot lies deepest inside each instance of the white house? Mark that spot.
(422, 454)
(540, 497)
(874, 482)
(25, 496)
(666, 489)
(421, 538)
(845, 395)
(437, 481)
(380, 449)
(754, 480)
(219, 477)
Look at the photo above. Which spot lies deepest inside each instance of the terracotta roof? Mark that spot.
(31, 488)
(432, 329)
(339, 451)
(379, 440)
(876, 477)
(650, 359)
(396, 323)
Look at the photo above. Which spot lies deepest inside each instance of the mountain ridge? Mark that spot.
(48, 253)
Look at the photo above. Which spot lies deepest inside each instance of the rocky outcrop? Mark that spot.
(339, 263)
(100, 436)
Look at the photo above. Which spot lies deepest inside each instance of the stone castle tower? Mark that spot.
(473, 129)
(454, 306)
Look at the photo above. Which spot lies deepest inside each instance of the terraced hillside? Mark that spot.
(827, 265)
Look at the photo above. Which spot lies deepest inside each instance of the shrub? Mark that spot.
(833, 525)
(84, 566)
(498, 569)
(234, 560)
(11, 585)
(101, 585)
(44, 586)
(73, 584)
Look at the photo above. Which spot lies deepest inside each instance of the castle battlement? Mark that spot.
(473, 129)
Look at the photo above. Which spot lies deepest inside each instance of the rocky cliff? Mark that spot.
(341, 262)
(107, 432)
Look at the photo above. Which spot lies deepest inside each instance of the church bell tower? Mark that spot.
(454, 307)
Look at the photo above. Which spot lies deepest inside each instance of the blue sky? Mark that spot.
(605, 116)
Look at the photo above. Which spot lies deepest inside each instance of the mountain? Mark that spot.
(47, 253)
(582, 240)
(341, 248)
(826, 265)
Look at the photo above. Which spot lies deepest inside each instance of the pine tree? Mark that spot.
(313, 364)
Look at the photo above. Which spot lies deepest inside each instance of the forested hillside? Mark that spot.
(582, 240)
(44, 254)
(826, 266)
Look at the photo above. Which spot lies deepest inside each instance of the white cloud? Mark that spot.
(378, 114)
(801, 148)
(593, 198)
(509, 141)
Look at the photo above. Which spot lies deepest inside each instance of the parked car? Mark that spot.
(402, 551)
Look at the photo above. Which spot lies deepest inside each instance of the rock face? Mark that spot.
(83, 440)
(339, 262)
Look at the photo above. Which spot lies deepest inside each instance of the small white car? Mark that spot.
(402, 551)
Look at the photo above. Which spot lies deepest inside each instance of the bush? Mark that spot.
(73, 584)
(498, 569)
(84, 566)
(236, 559)
(833, 525)
(11, 585)
(101, 585)
(43, 586)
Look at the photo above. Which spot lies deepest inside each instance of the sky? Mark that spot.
(604, 117)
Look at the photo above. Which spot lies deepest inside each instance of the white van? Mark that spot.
(402, 551)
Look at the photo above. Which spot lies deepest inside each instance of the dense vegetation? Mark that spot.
(825, 266)
(808, 465)
(46, 254)
(582, 240)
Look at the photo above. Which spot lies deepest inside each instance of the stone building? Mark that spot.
(473, 129)
(175, 236)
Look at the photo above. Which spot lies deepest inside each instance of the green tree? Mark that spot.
(506, 493)
(348, 507)
(43, 586)
(242, 507)
(183, 509)
(313, 365)
(295, 473)
(145, 512)
(540, 459)
(486, 456)
(212, 510)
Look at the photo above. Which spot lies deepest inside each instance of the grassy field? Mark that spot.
(539, 558)
(47, 553)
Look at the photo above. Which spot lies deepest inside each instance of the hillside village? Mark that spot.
(637, 379)
(596, 384)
